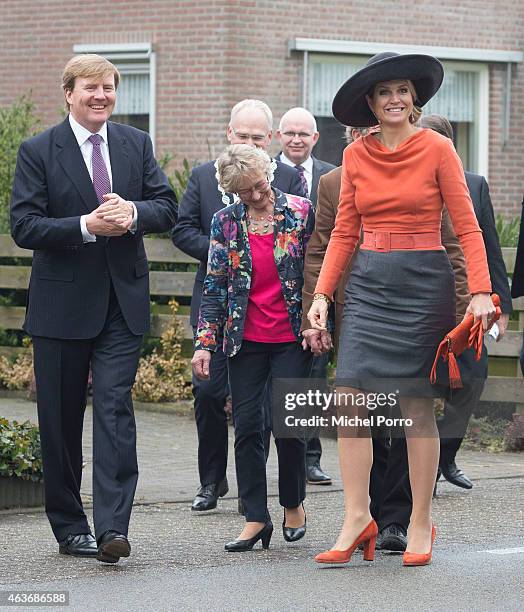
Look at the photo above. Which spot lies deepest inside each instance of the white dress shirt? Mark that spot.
(308, 169)
(86, 148)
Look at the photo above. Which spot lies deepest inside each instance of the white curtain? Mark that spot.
(133, 95)
(457, 98)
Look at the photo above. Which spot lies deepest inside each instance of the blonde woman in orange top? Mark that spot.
(400, 296)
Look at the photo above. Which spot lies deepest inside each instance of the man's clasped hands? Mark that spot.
(112, 218)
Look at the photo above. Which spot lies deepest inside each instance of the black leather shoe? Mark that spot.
(293, 534)
(112, 546)
(78, 545)
(207, 496)
(315, 475)
(243, 545)
(393, 538)
(456, 476)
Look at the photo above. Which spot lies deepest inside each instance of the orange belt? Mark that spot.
(388, 241)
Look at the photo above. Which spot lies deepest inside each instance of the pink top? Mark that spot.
(267, 318)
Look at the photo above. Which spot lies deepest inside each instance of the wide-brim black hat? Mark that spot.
(350, 106)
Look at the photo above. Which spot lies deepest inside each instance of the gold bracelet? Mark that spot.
(321, 296)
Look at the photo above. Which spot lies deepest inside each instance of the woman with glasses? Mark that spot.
(253, 295)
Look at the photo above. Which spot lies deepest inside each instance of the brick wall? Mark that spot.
(213, 53)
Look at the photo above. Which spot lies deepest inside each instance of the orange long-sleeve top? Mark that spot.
(403, 191)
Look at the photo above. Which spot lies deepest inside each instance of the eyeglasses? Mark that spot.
(259, 187)
(255, 138)
(301, 135)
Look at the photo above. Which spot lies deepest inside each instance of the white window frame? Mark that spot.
(459, 58)
(130, 58)
(482, 116)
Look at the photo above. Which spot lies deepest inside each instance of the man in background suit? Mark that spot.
(251, 122)
(298, 135)
(459, 406)
(84, 193)
(389, 487)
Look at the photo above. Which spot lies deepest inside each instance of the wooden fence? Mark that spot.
(503, 355)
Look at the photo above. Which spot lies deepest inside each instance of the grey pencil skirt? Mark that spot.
(398, 307)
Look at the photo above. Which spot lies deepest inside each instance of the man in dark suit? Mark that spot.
(85, 191)
(517, 283)
(459, 406)
(298, 135)
(251, 123)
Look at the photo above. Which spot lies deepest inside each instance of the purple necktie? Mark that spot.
(101, 181)
(303, 180)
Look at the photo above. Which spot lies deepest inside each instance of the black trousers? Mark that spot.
(460, 403)
(61, 372)
(389, 487)
(248, 373)
(313, 445)
(211, 420)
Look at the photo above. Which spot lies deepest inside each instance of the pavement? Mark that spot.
(178, 561)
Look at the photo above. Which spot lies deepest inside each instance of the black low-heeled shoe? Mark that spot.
(243, 545)
(293, 534)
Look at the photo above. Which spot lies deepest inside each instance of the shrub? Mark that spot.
(508, 230)
(514, 436)
(161, 375)
(179, 178)
(485, 433)
(20, 453)
(17, 373)
(17, 122)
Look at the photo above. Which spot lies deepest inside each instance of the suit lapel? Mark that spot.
(70, 158)
(119, 156)
(315, 181)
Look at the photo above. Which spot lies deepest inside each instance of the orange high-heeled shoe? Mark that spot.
(412, 559)
(368, 537)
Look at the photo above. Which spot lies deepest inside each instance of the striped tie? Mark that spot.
(303, 180)
(101, 181)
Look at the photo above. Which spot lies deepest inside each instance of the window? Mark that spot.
(135, 102)
(463, 99)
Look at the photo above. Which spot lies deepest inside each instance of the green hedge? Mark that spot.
(20, 452)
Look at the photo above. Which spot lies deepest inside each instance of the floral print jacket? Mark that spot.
(228, 280)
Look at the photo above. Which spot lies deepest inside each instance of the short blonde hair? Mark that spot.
(85, 66)
(238, 161)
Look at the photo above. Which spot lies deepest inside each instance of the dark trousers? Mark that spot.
(460, 404)
(389, 487)
(313, 445)
(248, 373)
(211, 420)
(61, 372)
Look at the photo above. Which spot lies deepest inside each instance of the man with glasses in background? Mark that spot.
(251, 123)
(298, 135)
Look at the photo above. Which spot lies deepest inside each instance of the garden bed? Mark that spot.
(19, 493)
